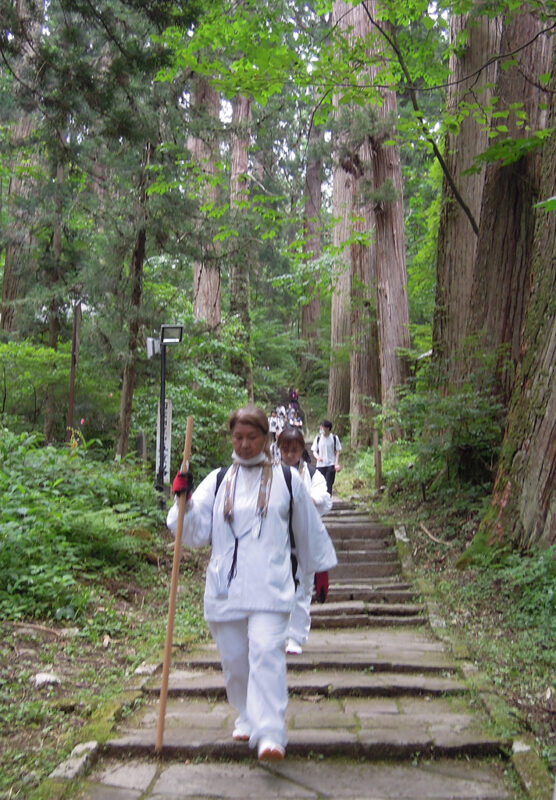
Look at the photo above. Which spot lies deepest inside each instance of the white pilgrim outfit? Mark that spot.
(249, 599)
(300, 619)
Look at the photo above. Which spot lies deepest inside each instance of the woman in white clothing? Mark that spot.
(292, 449)
(249, 590)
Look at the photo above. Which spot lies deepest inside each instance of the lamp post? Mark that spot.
(169, 335)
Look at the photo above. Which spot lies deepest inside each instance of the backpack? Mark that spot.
(288, 478)
(335, 438)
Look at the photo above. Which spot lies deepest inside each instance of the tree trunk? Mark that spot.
(19, 264)
(471, 82)
(340, 322)
(204, 150)
(312, 248)
(136, 299)
(503, 257)
(52, 277)
(391, 271)
(129, 371)
(364, 361)
(239, 258)
(523, 507)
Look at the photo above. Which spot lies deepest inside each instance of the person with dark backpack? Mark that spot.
(292, 450)
(248, 519)
(326, 448)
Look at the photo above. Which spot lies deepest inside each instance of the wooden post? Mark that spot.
(173, 593)
(377, 460)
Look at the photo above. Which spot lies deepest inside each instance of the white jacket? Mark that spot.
(263, 581)
(317, 488)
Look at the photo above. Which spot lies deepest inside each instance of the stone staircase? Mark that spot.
(377, 707)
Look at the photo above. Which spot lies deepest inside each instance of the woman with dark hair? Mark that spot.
(245, 515)
(291, 443)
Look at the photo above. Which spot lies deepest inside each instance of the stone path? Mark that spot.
(378, 708)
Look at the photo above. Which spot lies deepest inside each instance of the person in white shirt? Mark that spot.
(249, 589)
(326, 448)
(292, 449)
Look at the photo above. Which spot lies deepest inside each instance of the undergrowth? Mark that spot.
(85, 563)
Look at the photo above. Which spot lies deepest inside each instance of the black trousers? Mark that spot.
(329, 476)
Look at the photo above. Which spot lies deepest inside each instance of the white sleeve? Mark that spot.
(314, 548)
(197, 521)
(319, 493)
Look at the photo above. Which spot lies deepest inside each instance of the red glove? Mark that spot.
(321, 586)
(183, 482)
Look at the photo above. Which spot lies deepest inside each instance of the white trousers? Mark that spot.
(253, 655)
(300, 620)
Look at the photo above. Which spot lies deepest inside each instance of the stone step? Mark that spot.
(356, 607)
(366, 569)
(375, 650)
(347, 556)
(356, 727)
(299, 777)
(358, 531)
(368, 594)
(364, 620)
(326, 683)
(366, 542)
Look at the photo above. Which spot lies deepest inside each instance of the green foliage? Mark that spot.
(525, 582)
(507, 151)
(65, 517)
(437, 439)
(200, 384)
(27, 372)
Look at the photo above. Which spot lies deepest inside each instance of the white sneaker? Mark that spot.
(293, 648)
(270, 751)
(242, 731)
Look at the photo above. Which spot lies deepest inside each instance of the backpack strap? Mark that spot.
(219, 478)
(311, 469)
(288, 478)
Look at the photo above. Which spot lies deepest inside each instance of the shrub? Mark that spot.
(65, 515)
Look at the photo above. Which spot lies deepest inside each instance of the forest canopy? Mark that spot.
(355, 199)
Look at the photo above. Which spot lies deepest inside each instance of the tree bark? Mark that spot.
(239, 258)
(52, 277)
(523, 507)
(312, 248)
(391, 271)
(471, 82)
(203, 146)
(19, 263)
(136, 299)
(503, 257)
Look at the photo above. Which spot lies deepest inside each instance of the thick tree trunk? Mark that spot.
(239, 259)
(503, 257)
(471, 82)
(523, 508)
(136, 300)
(340, 323)
(391, 271)
(204, 150)
(19, 264)
(52, 277)
(312, 249)
(364, 361)
(130, 366)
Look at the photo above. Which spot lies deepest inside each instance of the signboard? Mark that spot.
(167, 440)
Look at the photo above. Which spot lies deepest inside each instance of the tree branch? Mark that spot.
(413, 95)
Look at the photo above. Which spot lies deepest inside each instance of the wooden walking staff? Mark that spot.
(173, 592)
